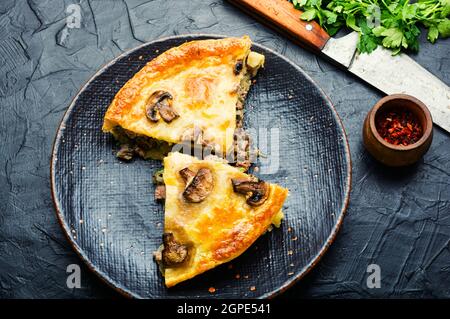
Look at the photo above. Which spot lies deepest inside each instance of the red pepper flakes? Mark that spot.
(399, 127)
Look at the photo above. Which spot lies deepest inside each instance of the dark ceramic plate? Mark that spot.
(107, 210)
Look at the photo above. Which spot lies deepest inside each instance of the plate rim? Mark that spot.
(116, 285)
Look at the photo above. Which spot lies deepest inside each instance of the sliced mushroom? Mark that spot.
(126, 152)
(157, 254)
(160, 192)
(257, 190)
(167, 112)
(159, 105)
(187, 175)
(238, 67)
(199, 187)
(173, 253)
(158, 177)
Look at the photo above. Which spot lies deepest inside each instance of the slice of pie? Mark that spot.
(213, 213)
(193, 92)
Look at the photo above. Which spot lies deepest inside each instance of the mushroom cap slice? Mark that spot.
(187, 175)
(257, 190)
(199, 187)
(167, 112)
(159, 105)
(238, 67)
(173, 253)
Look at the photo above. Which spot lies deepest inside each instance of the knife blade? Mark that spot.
(390, 74)
(393, 74)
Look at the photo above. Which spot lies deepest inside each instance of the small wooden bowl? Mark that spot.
(398, 155)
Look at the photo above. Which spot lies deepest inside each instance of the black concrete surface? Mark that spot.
(398, 219)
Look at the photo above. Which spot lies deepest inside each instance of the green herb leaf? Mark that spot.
(377, 31)
(445, 8)
(331, 16)
(367, 43)
(433, 34)
(308, 15)
(393, 38)
(391, 23)
(444, 28)
(351, 23)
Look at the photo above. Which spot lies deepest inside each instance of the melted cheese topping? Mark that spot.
(221, 227)
(200, 76)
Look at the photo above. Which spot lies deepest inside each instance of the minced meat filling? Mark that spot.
(243, 89)
(242, 142)
(132, 144)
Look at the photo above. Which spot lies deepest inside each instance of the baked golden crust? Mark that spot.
(200, 76)
(221, 227)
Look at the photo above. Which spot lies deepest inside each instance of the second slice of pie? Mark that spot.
(213, 213)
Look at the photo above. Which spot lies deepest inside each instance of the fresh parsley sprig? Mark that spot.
(391, 23)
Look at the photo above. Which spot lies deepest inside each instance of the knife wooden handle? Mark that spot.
(282, 15)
